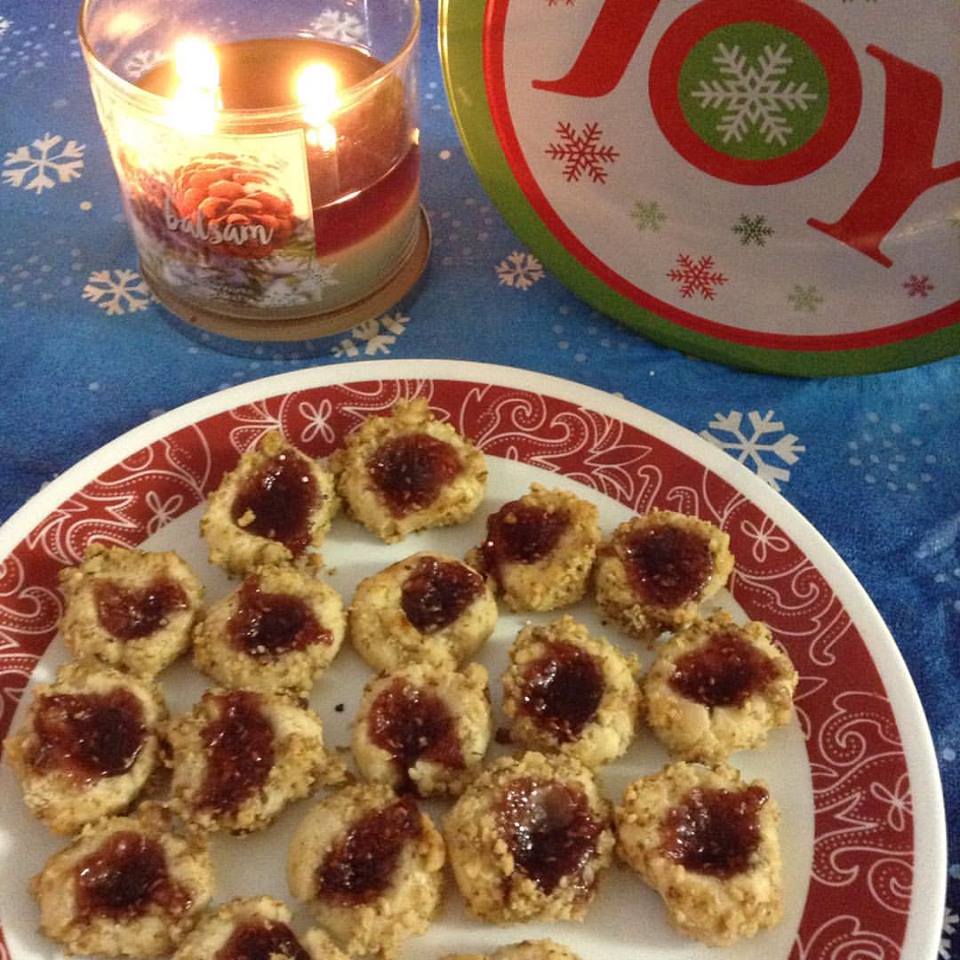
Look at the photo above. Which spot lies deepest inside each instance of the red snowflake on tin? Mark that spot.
(582, 152)
(696, 276)
(918, 286)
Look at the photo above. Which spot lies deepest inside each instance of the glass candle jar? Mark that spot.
(267, 153)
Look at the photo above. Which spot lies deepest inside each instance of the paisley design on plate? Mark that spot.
(863, 847)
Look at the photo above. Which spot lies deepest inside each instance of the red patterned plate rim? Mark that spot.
(786, 574)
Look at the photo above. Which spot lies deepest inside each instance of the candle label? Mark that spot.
(222, 218)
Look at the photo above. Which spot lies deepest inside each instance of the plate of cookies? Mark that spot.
(448, 661)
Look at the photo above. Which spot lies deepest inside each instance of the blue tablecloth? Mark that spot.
(85, 354)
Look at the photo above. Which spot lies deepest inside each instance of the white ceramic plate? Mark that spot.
(854, 775)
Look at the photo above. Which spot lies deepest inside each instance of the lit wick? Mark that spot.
(197, 100)
(317, 94)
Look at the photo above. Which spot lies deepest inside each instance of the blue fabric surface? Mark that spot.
(874, 463)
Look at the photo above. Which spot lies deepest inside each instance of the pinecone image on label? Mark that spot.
(232, 206)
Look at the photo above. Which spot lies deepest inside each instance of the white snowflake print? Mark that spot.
(647, 215)
(374, 336)
(805, 299)
(752, 96)
(299, 288)
(142, 62)
(117, 291)
(338, 26)
(756, 443)
(696, 276)
(950, 922)
(582, 152)
(519, 270)
(33, 171)
(5, 25)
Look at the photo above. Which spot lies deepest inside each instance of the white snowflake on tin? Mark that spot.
(50, 165)
(339, 26)
(141, 62)
(758, 443)
(950, 922)
(374, 336)
(519, 270)
(5, 25)
(118, 292)
(753, 96)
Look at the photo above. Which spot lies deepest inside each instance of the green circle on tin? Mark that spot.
(753, 91)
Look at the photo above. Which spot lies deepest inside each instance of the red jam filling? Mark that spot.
(437, 592)
(411, 470)
(413, 724)
(130, 613)
(714, 832)
(518, 533)
(238, 746)
(125, 876)
(667, 566)
(268, 625)
(550, 829)
(562, 690)
(262, 940)
(280, 496)
(723, 673)
(358, 869)
(89, 735)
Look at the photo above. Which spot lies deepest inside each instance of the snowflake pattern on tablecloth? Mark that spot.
(142, 62)
(582, 153)
(752, 230)
(647, 215)
(520, 270)
(950, 923)
(805, 299)
(696, 276)
(374, 336)
(890, 457)
(918, 286)
(339, 26)
(35, 272)
(50, 165)
(465, 236)
(118, 292)
(753, 97)
(759, 443)
(5, 25)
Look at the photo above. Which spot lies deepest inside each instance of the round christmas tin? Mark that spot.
(774, 185)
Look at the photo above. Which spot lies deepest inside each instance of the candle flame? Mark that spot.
(317, 93)
(197, 100)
